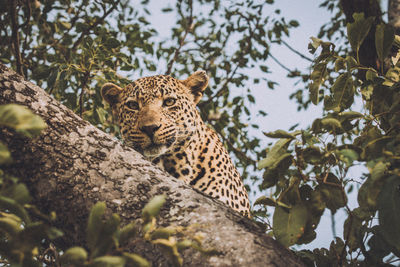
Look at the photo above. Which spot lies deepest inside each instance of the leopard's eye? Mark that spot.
(169, 102)
(132, 105)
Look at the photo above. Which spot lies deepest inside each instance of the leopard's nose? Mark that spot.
(150, 129)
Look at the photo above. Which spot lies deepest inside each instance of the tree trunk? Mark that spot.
(73, 165)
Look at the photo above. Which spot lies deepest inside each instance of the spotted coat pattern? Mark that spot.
(158, 117)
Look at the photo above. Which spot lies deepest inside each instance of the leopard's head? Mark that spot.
(158, 113)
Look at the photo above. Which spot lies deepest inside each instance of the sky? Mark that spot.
(282, 112)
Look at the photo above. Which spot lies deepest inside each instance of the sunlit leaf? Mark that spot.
(136, 260)
(342, 94)
(21, 119)
(279, 134)
(109, 261)
(279, 149)
(74, 255)
(288, 225)
(5, 155)
(153, 207)
(95, 224)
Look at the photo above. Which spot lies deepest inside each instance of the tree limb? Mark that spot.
(73, 165)
(15, 37)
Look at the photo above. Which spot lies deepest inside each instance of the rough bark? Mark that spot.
(72, 165)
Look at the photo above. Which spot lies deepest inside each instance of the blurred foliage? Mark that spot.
(21, 236)
(73, 47)
(106, 239)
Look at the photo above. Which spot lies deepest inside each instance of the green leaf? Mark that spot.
(342, 94)
(135, 260)
(5, 155)
(54, 233)
(351, 63)
(74, 255)
(350, 115)
(317, 76)
(106, 236)
(352, 232)
(21, 119)
(358, 30)
(14, 207)
(384, 37)
(95, 224)
(340, 64)
(112, 43)
(314, 92)
(379, 170)
(18, 192)
(129, 231)
(288, 226)
(378, 247)
(314, 44)
(332, 193)
(370, 75)
(312, 154)
(330, 124)
(389, 211)
(263, 200)
(163, 232)
(153, 207)
(10, 225)
(348, 156)
(369, 191)
(279, 134)
(279, 148)
(109, 261)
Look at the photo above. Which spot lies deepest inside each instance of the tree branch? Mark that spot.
(85, 80)
(73, 165)
(279, 63)
(28, 16)
(15, 37)
(189, 27)
(294, 50)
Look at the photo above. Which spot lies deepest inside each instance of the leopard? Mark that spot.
(158, 117)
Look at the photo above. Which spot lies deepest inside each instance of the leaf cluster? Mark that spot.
(308, 170)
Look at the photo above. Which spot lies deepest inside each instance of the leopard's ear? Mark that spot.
(197, 83)
(110, 93)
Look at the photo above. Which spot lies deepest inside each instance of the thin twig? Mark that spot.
(220, 91)
(296, 52)
(333, 225)
(84, 83)
(279, 63)
(28, 16)
(237, 151)
(189, 28)
(15, 36)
